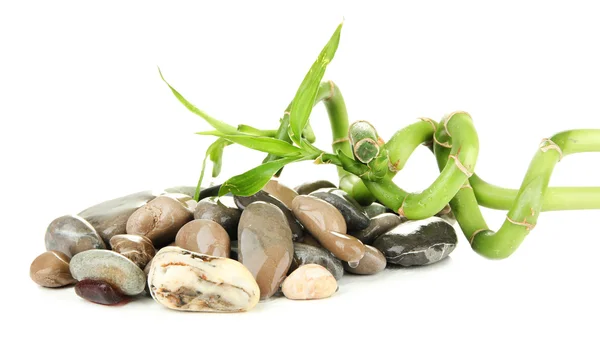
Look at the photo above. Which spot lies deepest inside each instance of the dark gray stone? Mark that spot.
(418, 242)
(379, 225)
(110, 218)
(72, 234)
(297, 229)
(375, 209)
(308, 254)
(224, 214)
(356, 218)
(307, 188)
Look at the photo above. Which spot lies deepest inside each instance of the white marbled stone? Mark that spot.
(184, 280)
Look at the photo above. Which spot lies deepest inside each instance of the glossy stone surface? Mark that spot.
(372, 263)
(417, 242)
(354, 215)
(447, 215)
(375, 209)
(295, 225)
(307, 188)
(111, 267)
(327, 225)
(160, 219)
(188, 281)
(379, 225)
(137, 248)
(204, 236)
(265, 245)
(110, 218)
(99, 292)
(182, 189)
(72, 234)
(51, 269)
(309, 282)
(283, 193)
(227, 216)
(317, 215)
(308, 239)
(307, 254)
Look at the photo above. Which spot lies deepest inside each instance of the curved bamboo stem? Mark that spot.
(529, 200)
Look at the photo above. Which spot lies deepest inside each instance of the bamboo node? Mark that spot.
(331, 90)
(443, 144)
(527, 225)
(394, 167)
(472, 238)
(466, 186)
(319, 160)
(286, 113)
(460, 166)
(401, 209)
(343, 139)
(548, 144)
(450, 116)
(430, 121)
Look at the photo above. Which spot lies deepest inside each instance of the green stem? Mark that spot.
(528, 202)
(465, 147)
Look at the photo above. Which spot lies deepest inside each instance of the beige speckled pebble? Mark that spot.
(309, 282)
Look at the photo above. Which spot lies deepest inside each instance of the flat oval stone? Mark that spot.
(111, 267)
(159, 220)
(265, 245)
(51, 269)
(379, 225)
(307, 254)
(99, 292)
(204, 236)
(307, 188)
(372, 263)
(110, 218)
(71, 234)
(182, 189)
(343, 246)
(317, 215)
(375, 209)
(418, 242)
(137, 248)
(309, 282)
(295, 225)
(356, 218)
(283, 193)
(212, 209)
(183, 280)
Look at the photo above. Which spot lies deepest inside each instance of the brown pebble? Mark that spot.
(137, 248)
(372, 262)
(283, 193)
(317, 215)
(204, 236)
(306, 188)
(159, 220)
(51, 269)
(345, 247)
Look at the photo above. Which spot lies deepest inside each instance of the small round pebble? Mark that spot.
(111, 267)
(371, 263)
(137, 248)
(204, 236)
(71, 234)
(309, 282)
(99, 292)
(51, 269)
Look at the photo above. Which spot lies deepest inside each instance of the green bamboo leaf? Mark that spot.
(218, 144)
(215, 123)
(307, 92)
(252, 181)
(263, 144)
(246, 129)
(216, 156)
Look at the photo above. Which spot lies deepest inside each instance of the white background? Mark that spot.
(86, 118)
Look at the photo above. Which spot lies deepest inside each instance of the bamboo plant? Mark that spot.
(367, 165)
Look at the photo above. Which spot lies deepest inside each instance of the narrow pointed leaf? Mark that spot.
(252, 181)
(215, 123)
(246, 129)
(215, 145)
(263, 144)
(305, 96)
(216, 156)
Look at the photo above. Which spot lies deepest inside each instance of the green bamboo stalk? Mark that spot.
(463, 153)
(529, 200)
